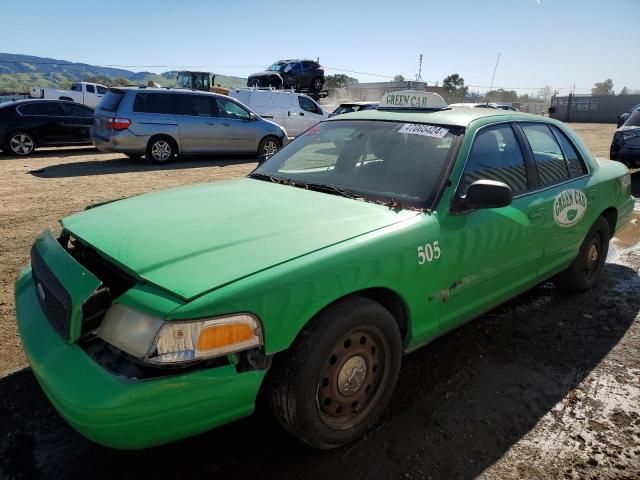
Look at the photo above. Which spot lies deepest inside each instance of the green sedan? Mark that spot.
(157, 317)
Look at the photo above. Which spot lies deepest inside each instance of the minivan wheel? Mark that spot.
(269, 146)
(339, 375)
(317, 84)
(161, 150)
(20, 143)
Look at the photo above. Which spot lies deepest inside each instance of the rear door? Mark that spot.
(563, 194)
(48, 120)
(201, 128)
(78, 121)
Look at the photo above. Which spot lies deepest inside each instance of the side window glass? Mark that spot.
(577, 167)
(550, 161)
(308, 105)
(495, 155)
(152, 103)
(229, 109)
(42, 108)
(102, 90)
(74, 110)
(90, 89)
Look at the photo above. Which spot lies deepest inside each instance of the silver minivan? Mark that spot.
(162, 123)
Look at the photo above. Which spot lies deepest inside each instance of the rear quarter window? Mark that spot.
(111, 101)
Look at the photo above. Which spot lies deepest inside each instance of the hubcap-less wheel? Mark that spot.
(593, 255)
(270, 147)
(21, 144)
(317, 84)
(161, 151)
(353, 377)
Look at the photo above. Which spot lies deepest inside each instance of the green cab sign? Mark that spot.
(412, 99)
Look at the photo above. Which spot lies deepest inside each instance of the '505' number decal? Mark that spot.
(428, 252)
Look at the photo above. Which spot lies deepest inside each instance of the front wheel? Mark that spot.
(584, 272)
(268, 146)
(317, 84)
(338, 377)
(21, 144)
(161, 150)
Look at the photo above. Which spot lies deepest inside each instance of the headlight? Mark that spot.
(158, 342)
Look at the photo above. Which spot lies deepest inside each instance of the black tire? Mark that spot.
(316, 84)
(268, 144)
(20, 143)
(356, 341)
(584, 272)
(161, 150)
(134, 156)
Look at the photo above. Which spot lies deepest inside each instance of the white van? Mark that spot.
(293, 111)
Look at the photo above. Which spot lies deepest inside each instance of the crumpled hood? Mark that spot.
(194, 239)
(264, 74)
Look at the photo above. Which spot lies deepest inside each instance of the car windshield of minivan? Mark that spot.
(396, 163)
(276, 67)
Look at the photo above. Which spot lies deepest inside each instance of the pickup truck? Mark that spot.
(86, 93)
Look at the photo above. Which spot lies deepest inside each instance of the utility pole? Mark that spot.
(492, 77)
(419, 75)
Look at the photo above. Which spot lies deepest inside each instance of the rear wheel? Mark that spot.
(20, 143)
(161, 150)
(584, 272)
(269, 146)
(317, 84)
(339, 375)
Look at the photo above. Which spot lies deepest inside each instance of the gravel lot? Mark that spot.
(547, 386)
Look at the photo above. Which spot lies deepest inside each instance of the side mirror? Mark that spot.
(484, 194)
(252, 116)
(263, 158)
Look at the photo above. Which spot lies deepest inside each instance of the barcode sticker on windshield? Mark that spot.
(424, 130)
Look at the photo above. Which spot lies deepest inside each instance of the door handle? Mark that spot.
(225, 124)
(302, 114)
(211, 123)
(536, 214)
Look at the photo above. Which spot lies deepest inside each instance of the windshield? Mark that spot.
(276, 67)
(394, 162)
(633, 120)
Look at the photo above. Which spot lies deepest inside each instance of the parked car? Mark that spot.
(350, 107)
(160, 316)
(163, 123)
(297, 74)
(81, 92)
(472, 105)
(28, 124)
(293, 111)
(623, 117)
(504, 106)
(625, 146)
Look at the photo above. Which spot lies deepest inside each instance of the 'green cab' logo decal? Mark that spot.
(569, 207)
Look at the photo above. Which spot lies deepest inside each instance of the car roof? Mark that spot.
(164, 90)
(36, 100)
(360, 103)
(459, 117)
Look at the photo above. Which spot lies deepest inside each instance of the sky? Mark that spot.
(560, 43)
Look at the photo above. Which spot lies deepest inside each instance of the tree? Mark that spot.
(398, 78)
(339, 80)
(545, 92)
(625, 91)
(454, 85)
(603, 88)
(119, 82)
(102, 79)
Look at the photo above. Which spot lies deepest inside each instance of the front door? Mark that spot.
(491, 253)
(309, 114)
(242, 134)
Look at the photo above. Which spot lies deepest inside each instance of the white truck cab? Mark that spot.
(293, 111)
(86, 93)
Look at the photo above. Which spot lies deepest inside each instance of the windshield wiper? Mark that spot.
(269, 178)
(320, 187)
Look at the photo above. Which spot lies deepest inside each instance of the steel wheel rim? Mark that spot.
(594, 251)
(270, 148)
(161, 151)
(353, 378)
(21, 144)
(317, 84)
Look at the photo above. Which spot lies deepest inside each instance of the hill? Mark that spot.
(19, 72)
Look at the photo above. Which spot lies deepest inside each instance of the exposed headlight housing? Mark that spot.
(157, 342)
(628, 135)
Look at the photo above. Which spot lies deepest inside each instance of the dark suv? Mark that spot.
(296, 74)
(28, 124)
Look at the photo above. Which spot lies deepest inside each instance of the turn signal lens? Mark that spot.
(217, 336)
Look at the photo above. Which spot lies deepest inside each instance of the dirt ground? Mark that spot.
(547, 386)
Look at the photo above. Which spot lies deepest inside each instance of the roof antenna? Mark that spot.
(492, 77)
(419, 75)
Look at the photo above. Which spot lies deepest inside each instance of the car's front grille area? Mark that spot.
(52, 296)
